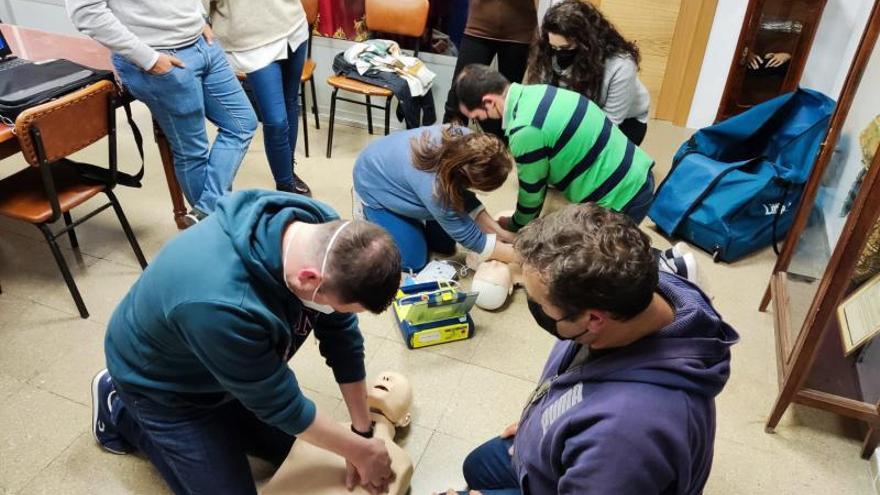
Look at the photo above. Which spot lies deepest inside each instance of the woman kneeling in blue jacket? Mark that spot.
(416, 184)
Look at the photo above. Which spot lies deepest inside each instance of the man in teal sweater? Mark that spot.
(559, 139)
(197, 350)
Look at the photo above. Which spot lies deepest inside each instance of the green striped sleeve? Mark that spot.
(533, 167)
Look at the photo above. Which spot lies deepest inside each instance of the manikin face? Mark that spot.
(391, 395)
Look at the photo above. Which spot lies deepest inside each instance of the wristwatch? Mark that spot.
(365, 434)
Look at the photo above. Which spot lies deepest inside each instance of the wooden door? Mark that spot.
(651, 24)
(772, 28)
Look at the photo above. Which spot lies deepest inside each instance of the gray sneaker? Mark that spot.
(193, 217)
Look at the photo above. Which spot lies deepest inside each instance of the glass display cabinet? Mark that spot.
(772, 51)
(824, 287)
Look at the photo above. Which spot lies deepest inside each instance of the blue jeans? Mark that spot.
(180, 100)
(638, 207)
(276, 91)
(489, 469)
(414, 238)
(200, 449)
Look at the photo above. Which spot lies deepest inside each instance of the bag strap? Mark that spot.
(104, 175)
(779, 212)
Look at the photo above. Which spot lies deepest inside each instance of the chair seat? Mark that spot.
(355, 86)
(308, 70)
(22, 195)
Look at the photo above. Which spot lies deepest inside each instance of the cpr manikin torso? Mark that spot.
(309, 470)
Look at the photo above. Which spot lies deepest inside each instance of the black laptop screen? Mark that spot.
(5, 51)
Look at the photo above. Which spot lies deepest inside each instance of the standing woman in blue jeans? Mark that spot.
(165, 56)
(417, 185)
(269, 43)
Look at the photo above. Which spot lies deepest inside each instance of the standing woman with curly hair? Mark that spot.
(579, 49)
(417, 185)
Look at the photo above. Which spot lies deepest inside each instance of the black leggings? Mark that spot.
(512, 61)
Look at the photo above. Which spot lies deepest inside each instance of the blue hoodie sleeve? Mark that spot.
(238, 352)
(342, 345)
(459, 225)
(623, 451)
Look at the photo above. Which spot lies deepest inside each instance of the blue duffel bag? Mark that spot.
(734, 186)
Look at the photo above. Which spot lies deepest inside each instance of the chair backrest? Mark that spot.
(402, 17)
(66, 125)
(311, 8)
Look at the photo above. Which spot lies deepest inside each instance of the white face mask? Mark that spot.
(321, 308)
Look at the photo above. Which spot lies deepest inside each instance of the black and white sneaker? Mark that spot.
(104, 400)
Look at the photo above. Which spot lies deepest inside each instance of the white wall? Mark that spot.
(836, 40)
(729, 17)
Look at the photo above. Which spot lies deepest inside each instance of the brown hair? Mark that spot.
(461, 161)
(591, 257)
(363, 265)
(595, 39)
(476, 81)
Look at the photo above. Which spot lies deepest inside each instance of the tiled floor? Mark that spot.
(465, 392)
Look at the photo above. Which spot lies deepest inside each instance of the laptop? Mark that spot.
(7, 59)
(24, 82)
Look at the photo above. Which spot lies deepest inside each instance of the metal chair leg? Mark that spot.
(387, 114)
(332, 120)
(315, 104)
(65, 271)
(126, 228)
(369, 115)
(74, 243)
(303, 110)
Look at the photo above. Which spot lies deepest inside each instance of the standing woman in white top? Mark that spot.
(268, 42)
(579, 49)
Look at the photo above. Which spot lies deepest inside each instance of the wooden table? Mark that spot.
(34, 44)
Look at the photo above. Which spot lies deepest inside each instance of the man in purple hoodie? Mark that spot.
(626, 402)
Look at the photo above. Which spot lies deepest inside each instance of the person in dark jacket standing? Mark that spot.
(502, 28)
(197, 350)
(626, 402)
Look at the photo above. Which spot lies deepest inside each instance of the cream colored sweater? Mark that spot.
(242, 25)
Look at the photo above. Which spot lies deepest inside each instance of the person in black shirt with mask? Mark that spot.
(581, 51)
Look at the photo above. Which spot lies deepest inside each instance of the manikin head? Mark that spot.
(481, 91)
(588, 272)
(391, 396)
(493, 282)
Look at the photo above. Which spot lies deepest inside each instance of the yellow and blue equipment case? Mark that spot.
(433, 313)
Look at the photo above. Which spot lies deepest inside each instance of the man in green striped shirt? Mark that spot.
(559, 139)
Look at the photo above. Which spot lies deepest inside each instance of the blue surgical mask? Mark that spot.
(321, 308)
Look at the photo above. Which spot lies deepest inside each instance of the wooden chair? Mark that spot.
(308, 73)
(53, 185)
(401, 17)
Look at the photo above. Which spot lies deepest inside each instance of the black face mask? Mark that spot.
(562, 59)
(548, 323)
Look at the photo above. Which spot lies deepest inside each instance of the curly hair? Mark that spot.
(462, 161)
(591, 257)
(595, 39)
